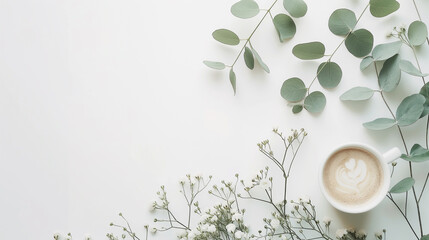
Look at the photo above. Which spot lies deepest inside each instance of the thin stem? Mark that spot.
(400, 210)
(424, 186)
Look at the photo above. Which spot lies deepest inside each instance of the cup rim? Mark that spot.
(377, 199)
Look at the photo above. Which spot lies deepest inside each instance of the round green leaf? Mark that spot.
(403, 186)
(409, 68)
(309, 51)
(382, 8)
(245, 9)
(232, 79)
(315, 102)
(417, 33)
(226, 36)
(293, 90)
(410, 109)
(357, 94)
(417, 154)
(390, 74)
(259, 60)
(424, 91)
(215, 65)
(385, 51)
(360, 42)
(342, 21)
(297, 109)
(366, 61)
(248, 58)
(296, 8)
(329, 74)
(380, 124)
(285, 26)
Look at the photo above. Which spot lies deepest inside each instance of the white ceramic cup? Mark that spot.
(384, 160)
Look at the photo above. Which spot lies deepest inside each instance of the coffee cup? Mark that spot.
(355, 178)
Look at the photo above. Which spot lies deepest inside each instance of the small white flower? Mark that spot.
(153, 230)
(182, 234)
(230, 227)
(233, 211)
(361, 233)
(275, 223)
(204, 217)
(327, 221)
(204, 227)
(183, 180)
(87, 237)
(191, 235)
(237, 217)
(57, 236)
(304, 199)
(211, 228)
(238, 234)
(214, 218)
(265, 183)
(340, 233)
(379, 235)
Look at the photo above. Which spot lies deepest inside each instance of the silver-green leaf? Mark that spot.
(233, 79)
(385, 51)
(329, 74)
(226, 36)
(214, 65)
(410, 109)
(285, 26)
(259, 60)
(297, 108)
(366, 61)
(417, 154)
(409, 68)
(380, 124)
(309, 51)
(248, 58)
(342, 21)
(425, 237)
(403, 186)
(293, 90)
(382, 8)
(296, 8)
(359, 42)
(390, 74)
(424, 91)
(357, 94)
(245, 9)
(315, 102)
(417, 33)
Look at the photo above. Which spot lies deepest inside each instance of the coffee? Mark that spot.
(353, 176)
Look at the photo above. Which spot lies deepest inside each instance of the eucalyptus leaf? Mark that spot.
(385, 51)
(232, 79)
(390, 74)
(357, 94)
(214, 65)
(248, 58)
(245, 9)
(403, 186)
(259, 60)
(309, 51)
(342, 21)
(366, 61)
(293, 90)
(417, 33)
(315, 102)
(382, 8)
(285, 26)
(297, 109)
(409, 68)
(410, 109)
(417, 154)
(425, 237)
(359, 42)
(380, 124)
(226, 36)
(329, 74)
(425, 92)
(296, 8)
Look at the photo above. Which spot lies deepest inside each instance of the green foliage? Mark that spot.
(226, 36)
(215, 65)
(297, 108)
(410, 109)
(424, 91)
(233, 80)
(409, 68)
(357, 94)
(385, 51)
(285, 26)
(425, 237)
(315, 102)
(359, 42)
(309, 51)
(417, 154)
(248, 58)
(390, 74)
(245, 9)
(259, 60)
(342, 21)
(293, 90)
(329, 74)
(366, 61)
(380, 124)
(296, 8)
(417, 33)
(403, 186)
(382, 8)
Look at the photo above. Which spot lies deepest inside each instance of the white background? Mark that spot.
(101, 102)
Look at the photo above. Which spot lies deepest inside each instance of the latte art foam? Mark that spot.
(353, 176)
